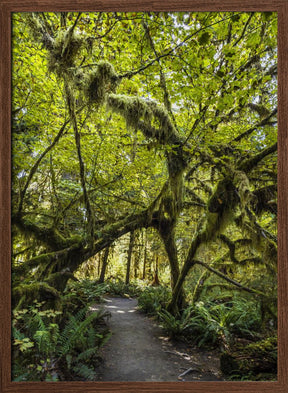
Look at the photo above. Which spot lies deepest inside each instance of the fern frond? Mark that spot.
(85, 355)
(84, 371)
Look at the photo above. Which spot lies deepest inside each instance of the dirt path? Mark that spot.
(139, 351)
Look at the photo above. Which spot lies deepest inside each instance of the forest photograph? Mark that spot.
(144, 196)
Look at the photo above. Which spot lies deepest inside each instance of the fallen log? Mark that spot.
(251, 360)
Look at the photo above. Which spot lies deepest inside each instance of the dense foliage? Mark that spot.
(144, 146)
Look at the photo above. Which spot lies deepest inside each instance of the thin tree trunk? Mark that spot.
(145, 257)
(104, 265)
(156, 281)
(137, 255)
(129, 257)
(99, 264)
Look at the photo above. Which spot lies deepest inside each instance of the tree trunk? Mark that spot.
(167, 232)
(199, 286)
(104, 265)
(145, 257)
(137, 255)
(171, 250)
(129, 257)
(220, 209)
(156, 281)
(99, 264)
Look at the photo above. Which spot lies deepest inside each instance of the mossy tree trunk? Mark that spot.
(129, 257)
(104, 265)
(144, 256)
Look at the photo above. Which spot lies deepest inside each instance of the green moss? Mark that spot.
(266, 347)
(35, 26)
(59, 279)
(216, 223)
(242, 185)
(224, 196)
(35, 290)
(99, 82)
(252, 359)
(65, 48)
(42, 259)
(132, 109)
(161, 115)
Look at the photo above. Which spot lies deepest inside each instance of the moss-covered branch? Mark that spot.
(250, 163)
(45, 234)
(140, 113)
(262, 123)
(226, 278)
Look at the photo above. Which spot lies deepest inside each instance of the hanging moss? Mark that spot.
(262, 241)
(242, 185)
(132, 109)
(225, 196)
(220, 212)
(270, 255)
(99, 82)
(79, 78)
(148, 116)
(63, 53)
(42, 259)
(161, 115)
(265, 199)
(216, 223)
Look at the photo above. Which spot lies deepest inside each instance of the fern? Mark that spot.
(73, 333)
(84, 371)
(42, 338)
(57, 350)
(85, 355)
(176, 326)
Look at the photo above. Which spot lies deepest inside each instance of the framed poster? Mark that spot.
(165, 124)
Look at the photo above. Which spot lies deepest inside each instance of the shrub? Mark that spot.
(88, 290)
(154, 299)
(210, 323)
(219, 323)
(176, 326)
(119, 288)
(48, 346)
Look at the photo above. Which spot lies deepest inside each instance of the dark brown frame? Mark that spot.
(9, 6)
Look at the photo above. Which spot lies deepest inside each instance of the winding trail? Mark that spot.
(139, 350)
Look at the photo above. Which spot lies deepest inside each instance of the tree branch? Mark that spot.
(71, 107)
(262, 123)
(237, 284)
(36, 165)
(129, 74)
(248, 164)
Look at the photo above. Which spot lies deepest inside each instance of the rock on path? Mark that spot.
(139, 351)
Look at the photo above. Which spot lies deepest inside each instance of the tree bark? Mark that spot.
(129, 257)
(145, 257)
(104, 265)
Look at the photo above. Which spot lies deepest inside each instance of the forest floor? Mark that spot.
(139, 350)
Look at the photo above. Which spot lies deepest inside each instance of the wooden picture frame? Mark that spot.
(9, 6)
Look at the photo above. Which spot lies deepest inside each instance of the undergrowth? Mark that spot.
(58, 345)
